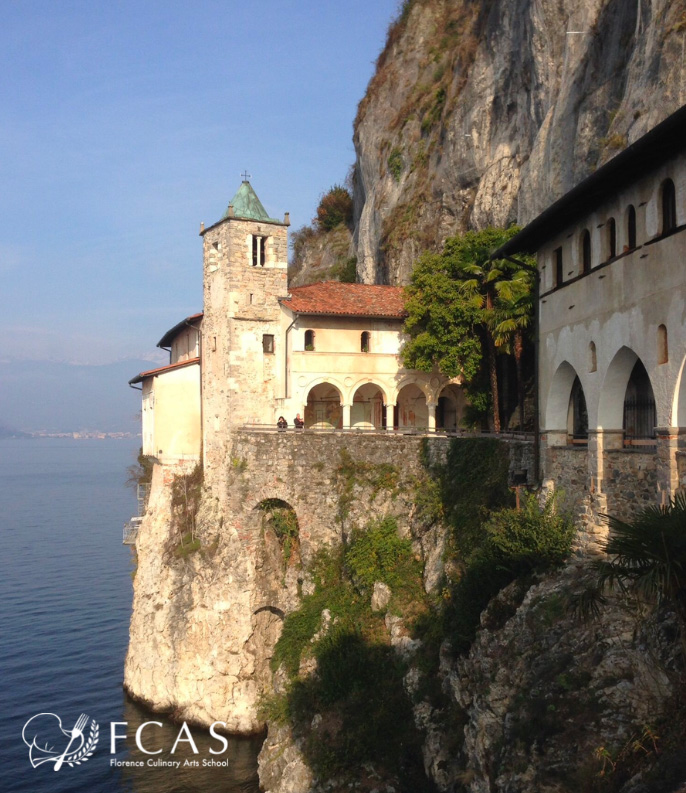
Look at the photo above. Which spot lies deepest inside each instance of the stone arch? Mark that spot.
(451, 404)
(324, 405)
(424, 387)
(412, 408)
(613, 391)
(367, 406)
(559, 393)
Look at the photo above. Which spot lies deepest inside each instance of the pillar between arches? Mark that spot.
(671, 457)
(431, 406)
(346, 417)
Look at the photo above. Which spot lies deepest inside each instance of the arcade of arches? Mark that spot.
(370, 409)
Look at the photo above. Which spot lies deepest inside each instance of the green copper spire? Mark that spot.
(246, 205)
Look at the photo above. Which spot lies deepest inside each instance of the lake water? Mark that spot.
(65, 595)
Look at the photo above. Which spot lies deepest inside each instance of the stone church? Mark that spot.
(328, 352)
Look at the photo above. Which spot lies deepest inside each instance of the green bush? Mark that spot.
(395, 163)
(514, 544)
(335, 207)
(529, 540)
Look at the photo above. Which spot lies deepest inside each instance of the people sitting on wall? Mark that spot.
(298, 422)
(282, 424)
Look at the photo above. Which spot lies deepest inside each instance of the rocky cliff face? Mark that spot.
(483, 113)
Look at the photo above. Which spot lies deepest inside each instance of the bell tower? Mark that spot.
(245, 260)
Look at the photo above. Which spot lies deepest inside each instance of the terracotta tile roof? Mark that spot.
(161, 370)
(348, 300)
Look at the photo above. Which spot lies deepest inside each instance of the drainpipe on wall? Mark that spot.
(285, 356)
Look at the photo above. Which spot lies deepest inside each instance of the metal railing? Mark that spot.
(131, 531)
(416, 431)
(131, 528)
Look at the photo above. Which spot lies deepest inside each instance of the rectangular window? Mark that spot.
(268, 343)
(557, 255)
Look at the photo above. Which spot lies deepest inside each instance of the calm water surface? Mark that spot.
(65, 595)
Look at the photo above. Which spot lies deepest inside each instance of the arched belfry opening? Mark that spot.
(577, 416)
(640, 415)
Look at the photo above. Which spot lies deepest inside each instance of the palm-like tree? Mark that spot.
(648, 555)
(512, 316)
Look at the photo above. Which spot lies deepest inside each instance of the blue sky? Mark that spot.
(124, 124)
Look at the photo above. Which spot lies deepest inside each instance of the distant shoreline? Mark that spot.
(71, 436)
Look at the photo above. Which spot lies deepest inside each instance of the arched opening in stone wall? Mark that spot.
(279, 524)
(450, 408)
(640, 415)
(577, 416)
(323, 410)
(411, 409)
(367, 409)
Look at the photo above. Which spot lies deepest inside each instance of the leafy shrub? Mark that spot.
(514, 544)
(379, 554)
(530, 539)
(335, 207)
(395, 163)
(346, 270)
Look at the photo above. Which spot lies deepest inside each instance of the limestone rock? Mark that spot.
(281, 765)
(485, 113)
(381, 596)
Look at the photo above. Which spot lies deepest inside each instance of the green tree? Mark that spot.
(454, 306)
(335, 207)
(512, 317)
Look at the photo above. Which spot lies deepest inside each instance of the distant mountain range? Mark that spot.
(63, 397)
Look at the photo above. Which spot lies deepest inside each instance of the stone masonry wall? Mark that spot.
(630, 481)
(204, 624)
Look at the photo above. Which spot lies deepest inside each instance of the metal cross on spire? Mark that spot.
(246, 176)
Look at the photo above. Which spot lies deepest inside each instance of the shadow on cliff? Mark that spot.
(363, 719)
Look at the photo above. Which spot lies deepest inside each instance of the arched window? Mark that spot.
(592, 358)
(558, 263)
(586, 251)
(668, 201)
(577, 422)
(309, 340)
(611, 239)
(640, 417)
(662, 348)
(364, 341)
(631, 228)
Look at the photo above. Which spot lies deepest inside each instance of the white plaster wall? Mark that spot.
(618, 304)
